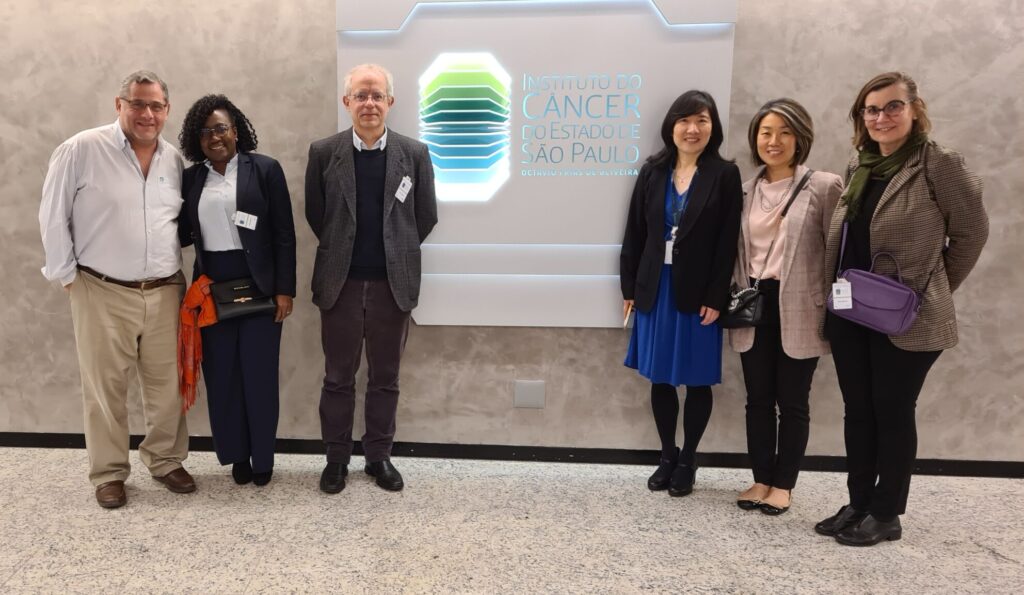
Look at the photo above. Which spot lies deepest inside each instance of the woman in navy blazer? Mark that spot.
(240, 355)
(676, 262)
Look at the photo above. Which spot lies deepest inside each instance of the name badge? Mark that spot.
(403, 189)
(243, 219)
(668, 245)
(842, 295)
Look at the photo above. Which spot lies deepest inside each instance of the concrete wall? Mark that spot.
(61, 62)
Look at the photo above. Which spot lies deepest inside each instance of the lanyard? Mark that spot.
(679, 201)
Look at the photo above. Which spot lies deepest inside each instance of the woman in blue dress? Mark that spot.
(675, 267)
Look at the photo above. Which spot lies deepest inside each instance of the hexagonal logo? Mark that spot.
(465, 112)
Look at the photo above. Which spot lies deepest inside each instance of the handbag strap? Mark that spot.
(199, 253)
(899, 274)
(785, 210)
(842, 249)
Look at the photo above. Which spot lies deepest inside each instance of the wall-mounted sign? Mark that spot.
(538, 115)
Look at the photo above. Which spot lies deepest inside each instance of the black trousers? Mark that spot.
(880, 384)
(240, 364)
(776, 439)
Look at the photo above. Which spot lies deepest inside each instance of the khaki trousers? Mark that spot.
(120, 331)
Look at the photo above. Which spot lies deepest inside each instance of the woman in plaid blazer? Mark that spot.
(781, 243)
(909, 197)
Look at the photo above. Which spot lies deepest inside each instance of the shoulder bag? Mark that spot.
(880, 302)
(746, 305)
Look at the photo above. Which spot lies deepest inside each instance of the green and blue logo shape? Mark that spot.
(465, 113)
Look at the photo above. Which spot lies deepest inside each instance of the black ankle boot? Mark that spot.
(682, 480)
(660, 478)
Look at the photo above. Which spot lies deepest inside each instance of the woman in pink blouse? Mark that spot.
(786, 213)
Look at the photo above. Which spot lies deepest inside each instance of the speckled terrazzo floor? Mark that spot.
(483, 527)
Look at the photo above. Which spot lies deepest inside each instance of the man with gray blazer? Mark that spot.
(370, 201)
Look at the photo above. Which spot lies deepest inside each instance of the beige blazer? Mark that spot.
(932, 220)
(801, 293)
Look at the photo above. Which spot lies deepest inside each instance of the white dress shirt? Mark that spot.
(99, 211)
(361, 146)
(217, 207)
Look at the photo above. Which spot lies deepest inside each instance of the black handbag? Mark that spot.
(237, 297)
(746, 305)
(240, 297)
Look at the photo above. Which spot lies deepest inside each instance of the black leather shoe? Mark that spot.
(682, 480)
(871, 531)
(848, 516)
(241, 472)
(387, 476)
(659, 479)
(332, 480)
(262, 479)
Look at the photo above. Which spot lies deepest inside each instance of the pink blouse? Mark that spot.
(766, 224)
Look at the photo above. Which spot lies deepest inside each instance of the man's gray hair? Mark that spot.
(143, 77)
(387, 76)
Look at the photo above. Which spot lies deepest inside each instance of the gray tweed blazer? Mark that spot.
(331, 213)
(932, 219)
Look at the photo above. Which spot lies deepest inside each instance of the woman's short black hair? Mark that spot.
(195, 119)
(689, 103)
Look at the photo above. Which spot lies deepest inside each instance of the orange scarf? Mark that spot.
(197, 311)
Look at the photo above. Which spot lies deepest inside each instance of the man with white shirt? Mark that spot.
(370, 201)
(108, 218)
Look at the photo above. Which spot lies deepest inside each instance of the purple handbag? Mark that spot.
(880, 303)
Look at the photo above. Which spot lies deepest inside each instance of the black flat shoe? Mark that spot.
(241, 472)
(659, 480)
(262, 479)
(682, 480)
(748, 504)
(332, 480)
(387, 476)
(847, 516)
(871, 531)
(770, 510)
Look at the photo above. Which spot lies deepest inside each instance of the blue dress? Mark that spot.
(668, 346)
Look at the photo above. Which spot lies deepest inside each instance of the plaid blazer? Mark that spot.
(932, 220)
(801, 295)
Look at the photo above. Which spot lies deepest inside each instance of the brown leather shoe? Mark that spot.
(111, 494)
(178, 481)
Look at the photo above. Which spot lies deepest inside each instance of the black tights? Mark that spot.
(696, 414)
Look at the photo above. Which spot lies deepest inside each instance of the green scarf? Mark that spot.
(871, 164)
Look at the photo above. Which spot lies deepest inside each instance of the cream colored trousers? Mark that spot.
(121, 331)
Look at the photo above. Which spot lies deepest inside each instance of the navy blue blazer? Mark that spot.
(262, 191)
(705, 247)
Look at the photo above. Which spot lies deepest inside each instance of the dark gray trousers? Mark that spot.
(365, 311)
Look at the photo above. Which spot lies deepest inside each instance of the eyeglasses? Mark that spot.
(138, 105)
(219, 130)
(892, 109)
(364, 97)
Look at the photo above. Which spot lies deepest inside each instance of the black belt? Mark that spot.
(175, 279)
